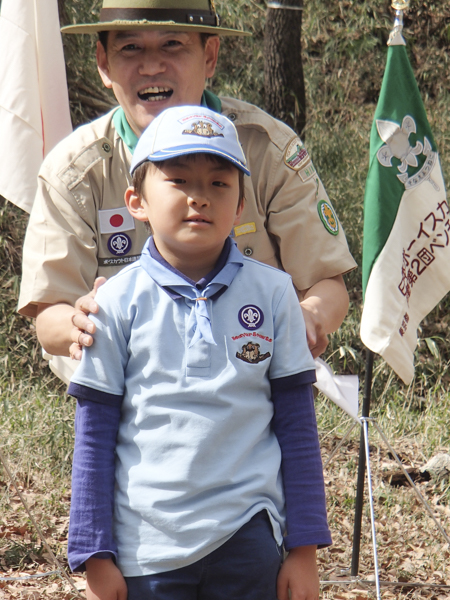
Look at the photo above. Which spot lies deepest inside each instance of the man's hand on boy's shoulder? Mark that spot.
(83, 328)
(299, 575)
(104, 580)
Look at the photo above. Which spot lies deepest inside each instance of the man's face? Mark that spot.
(150, 71)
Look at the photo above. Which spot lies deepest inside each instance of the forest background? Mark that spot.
(343, 52)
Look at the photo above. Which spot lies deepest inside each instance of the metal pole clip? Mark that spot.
(396, 36)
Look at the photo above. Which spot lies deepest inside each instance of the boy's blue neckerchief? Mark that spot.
(179, 286)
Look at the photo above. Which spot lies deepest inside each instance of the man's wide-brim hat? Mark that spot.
(169, 15)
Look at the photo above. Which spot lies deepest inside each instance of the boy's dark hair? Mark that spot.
(141, 171)
(103, 38)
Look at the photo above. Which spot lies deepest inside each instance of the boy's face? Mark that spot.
(191, 204)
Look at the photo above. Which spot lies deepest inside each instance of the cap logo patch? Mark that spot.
(328, 217)
(251, 354)
(251, 317)
(296, 156)
(119, 244)
(202, 129)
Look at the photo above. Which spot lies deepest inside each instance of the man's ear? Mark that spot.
(211, 55)
(134, 204)
(102, 65)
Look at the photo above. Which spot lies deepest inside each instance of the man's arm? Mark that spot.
(63, 330)
(324, 306)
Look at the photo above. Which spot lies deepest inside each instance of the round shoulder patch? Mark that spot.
(251, 317)
(328, 217)
(296, 155)
(119, 244)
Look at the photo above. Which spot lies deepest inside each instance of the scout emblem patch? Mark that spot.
(328, 217)
(119, 244)
(202, 129)
(251, 317)
(296, 155)
(250, 353)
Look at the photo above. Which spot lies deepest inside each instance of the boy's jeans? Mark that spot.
(244, 568)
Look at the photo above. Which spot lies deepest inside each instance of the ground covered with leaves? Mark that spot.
(413, 556)
(344, 52)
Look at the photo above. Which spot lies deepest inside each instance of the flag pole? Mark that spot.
(359, 502)
(399, 6)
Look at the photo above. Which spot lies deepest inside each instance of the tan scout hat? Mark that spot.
(171, 15)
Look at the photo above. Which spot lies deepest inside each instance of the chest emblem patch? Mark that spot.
(119, 244)
(328, 217)
(250, 353)
(251, 317)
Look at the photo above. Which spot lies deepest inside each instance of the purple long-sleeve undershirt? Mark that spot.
(93, 476)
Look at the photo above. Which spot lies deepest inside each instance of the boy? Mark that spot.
(199, 374)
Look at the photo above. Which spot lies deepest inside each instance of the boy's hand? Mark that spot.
(104, 580)
(299, 574)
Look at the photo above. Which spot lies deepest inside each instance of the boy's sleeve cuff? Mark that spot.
(321, 539)
(77, 562)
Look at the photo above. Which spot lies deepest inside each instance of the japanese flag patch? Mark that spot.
(114, 220)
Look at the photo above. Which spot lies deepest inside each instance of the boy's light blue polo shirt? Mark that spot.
(196, 457)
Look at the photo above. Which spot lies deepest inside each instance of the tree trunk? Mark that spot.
(283, 70)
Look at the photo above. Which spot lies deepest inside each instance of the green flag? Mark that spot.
(406, 249)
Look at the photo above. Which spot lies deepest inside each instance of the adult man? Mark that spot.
(155, 57)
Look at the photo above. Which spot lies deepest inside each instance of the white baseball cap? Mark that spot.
(182, 130)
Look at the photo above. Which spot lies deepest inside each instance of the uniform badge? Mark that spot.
(328, 217)
(251, 317)
(308, 172)
(244, 228)
(114, 220)
(250, 353)
(296, 156)
(119, 244)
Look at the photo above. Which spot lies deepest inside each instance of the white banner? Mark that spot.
(34, 104)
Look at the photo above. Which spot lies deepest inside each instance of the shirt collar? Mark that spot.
(168, 277)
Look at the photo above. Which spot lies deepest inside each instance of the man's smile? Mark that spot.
(155, 93)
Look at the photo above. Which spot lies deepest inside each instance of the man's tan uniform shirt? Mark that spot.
(79, 227)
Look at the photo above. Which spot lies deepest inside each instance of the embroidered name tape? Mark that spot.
(244, 228)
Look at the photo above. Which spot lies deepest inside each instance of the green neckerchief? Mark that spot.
(130, 138)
